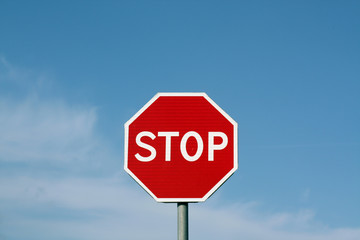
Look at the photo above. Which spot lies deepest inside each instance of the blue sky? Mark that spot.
(72, 73)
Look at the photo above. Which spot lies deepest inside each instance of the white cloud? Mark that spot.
(105, 209)
(23, 79)
(108, 208)
(33, 130)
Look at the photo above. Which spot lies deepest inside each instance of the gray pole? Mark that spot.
(183, 221)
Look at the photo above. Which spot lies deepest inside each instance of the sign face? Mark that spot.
(180, 147)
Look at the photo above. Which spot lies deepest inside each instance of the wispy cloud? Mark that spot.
(21, 79)
(35, 131)
(109, 207)
(35, 128)
(106, 207)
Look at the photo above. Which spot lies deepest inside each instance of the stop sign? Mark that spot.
(180, 147)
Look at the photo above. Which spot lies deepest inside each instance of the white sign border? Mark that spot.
(181, 94)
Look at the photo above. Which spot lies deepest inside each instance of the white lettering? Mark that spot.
(200, 146)
(168, 136)
(213, 146)
(146, 146)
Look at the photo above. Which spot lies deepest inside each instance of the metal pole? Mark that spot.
(183, 221)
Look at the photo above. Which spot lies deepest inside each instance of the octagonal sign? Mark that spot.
(180, 147)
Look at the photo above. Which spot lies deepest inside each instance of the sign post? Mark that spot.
(183, 221)
(180, 147)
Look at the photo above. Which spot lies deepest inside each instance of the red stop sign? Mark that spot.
(181, 147)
